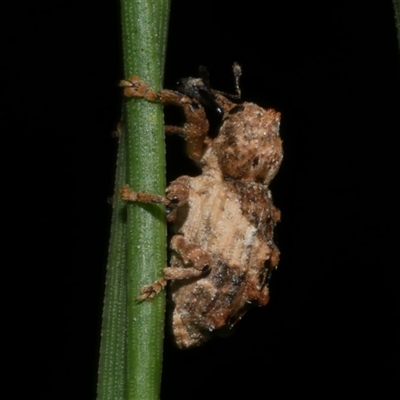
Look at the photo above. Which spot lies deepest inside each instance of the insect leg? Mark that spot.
(128, 194)
(176, 196)
(194, 263)
(195, 129)
(148, 292)
(189, 260)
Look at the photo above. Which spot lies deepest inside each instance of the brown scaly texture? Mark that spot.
(222, 249)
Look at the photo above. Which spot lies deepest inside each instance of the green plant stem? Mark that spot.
(396, 5)
(112, 366)
(146, 227)
(131, 368)
(146, 231)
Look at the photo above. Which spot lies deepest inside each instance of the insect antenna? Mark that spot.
(205, 76)
(237, 73)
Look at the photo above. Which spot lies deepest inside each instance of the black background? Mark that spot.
(333, 71)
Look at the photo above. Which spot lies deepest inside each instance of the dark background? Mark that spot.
(333, 71)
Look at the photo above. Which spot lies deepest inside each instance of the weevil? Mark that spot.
(222, 245)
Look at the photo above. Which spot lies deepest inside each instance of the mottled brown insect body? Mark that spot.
(223, 220)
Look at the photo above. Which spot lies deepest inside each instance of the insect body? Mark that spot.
(223, 220)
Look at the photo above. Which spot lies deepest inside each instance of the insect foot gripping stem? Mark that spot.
(148, 292)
